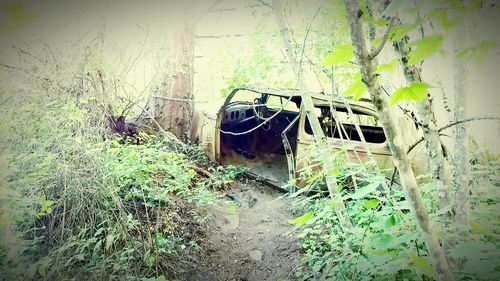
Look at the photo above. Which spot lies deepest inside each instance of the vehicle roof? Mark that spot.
(319, 98)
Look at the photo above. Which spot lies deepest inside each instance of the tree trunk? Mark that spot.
(308, 106)
(461, 169)
(395, 141)
(439, 167)
(171, 104)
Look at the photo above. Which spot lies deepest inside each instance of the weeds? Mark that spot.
(76, 203)
(384, 243)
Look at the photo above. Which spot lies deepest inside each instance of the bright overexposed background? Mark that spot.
(136, 35)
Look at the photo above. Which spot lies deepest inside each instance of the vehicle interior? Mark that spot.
(258, 137)
(252, 130)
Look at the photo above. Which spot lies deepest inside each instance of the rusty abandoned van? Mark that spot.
(265, 130)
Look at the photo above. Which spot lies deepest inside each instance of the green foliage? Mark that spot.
(425, 48)
(341, 53)
(416, 91)
(423, 265)
(259, 65)
(78, 204)
(356, 89)
(399, 31)
(300, 221)
(384, 243)
(388, 67)
(149, 172)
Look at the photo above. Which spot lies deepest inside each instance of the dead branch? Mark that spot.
(201, 171)
(168, 135)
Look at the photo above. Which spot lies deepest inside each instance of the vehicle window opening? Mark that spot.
(372, 131)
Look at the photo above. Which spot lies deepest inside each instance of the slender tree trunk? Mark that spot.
(395, 141)
(461, 170)
(171, 105)
(308, 106)
(438, 165)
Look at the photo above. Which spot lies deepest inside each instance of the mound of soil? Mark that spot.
(250, 238)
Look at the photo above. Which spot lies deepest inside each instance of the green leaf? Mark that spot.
(109, 241)
(425, 48)
(400, 31)
(391, 221)
(389, 67)
(161, 278)
(341, 53)
(333, 203)
(417, 91)
(375, 42)
(372, 203)
(423, 265)
(479, 228)
(363, 191)
(300, 221)
(356, 89)
(380, 22)
(381, 240)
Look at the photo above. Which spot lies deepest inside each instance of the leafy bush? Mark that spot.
(77, 204)
(384, 242)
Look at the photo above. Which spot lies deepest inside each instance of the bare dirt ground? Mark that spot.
(250, 238)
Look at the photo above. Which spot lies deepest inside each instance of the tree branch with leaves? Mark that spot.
(394, 139)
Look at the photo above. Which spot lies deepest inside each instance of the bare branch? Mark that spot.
(207, 11)
(453, 124)
(10, 67)
(467, 120)
(379, 48)
(266, 120)
(220, 36)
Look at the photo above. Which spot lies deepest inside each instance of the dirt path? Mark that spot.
(251, 238)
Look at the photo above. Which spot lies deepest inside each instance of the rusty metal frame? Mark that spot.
(290, 157)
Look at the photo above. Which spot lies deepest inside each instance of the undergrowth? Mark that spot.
(77, 203)
(384, 242)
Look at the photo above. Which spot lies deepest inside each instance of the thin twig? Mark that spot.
(11, 67)
(207, 11)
